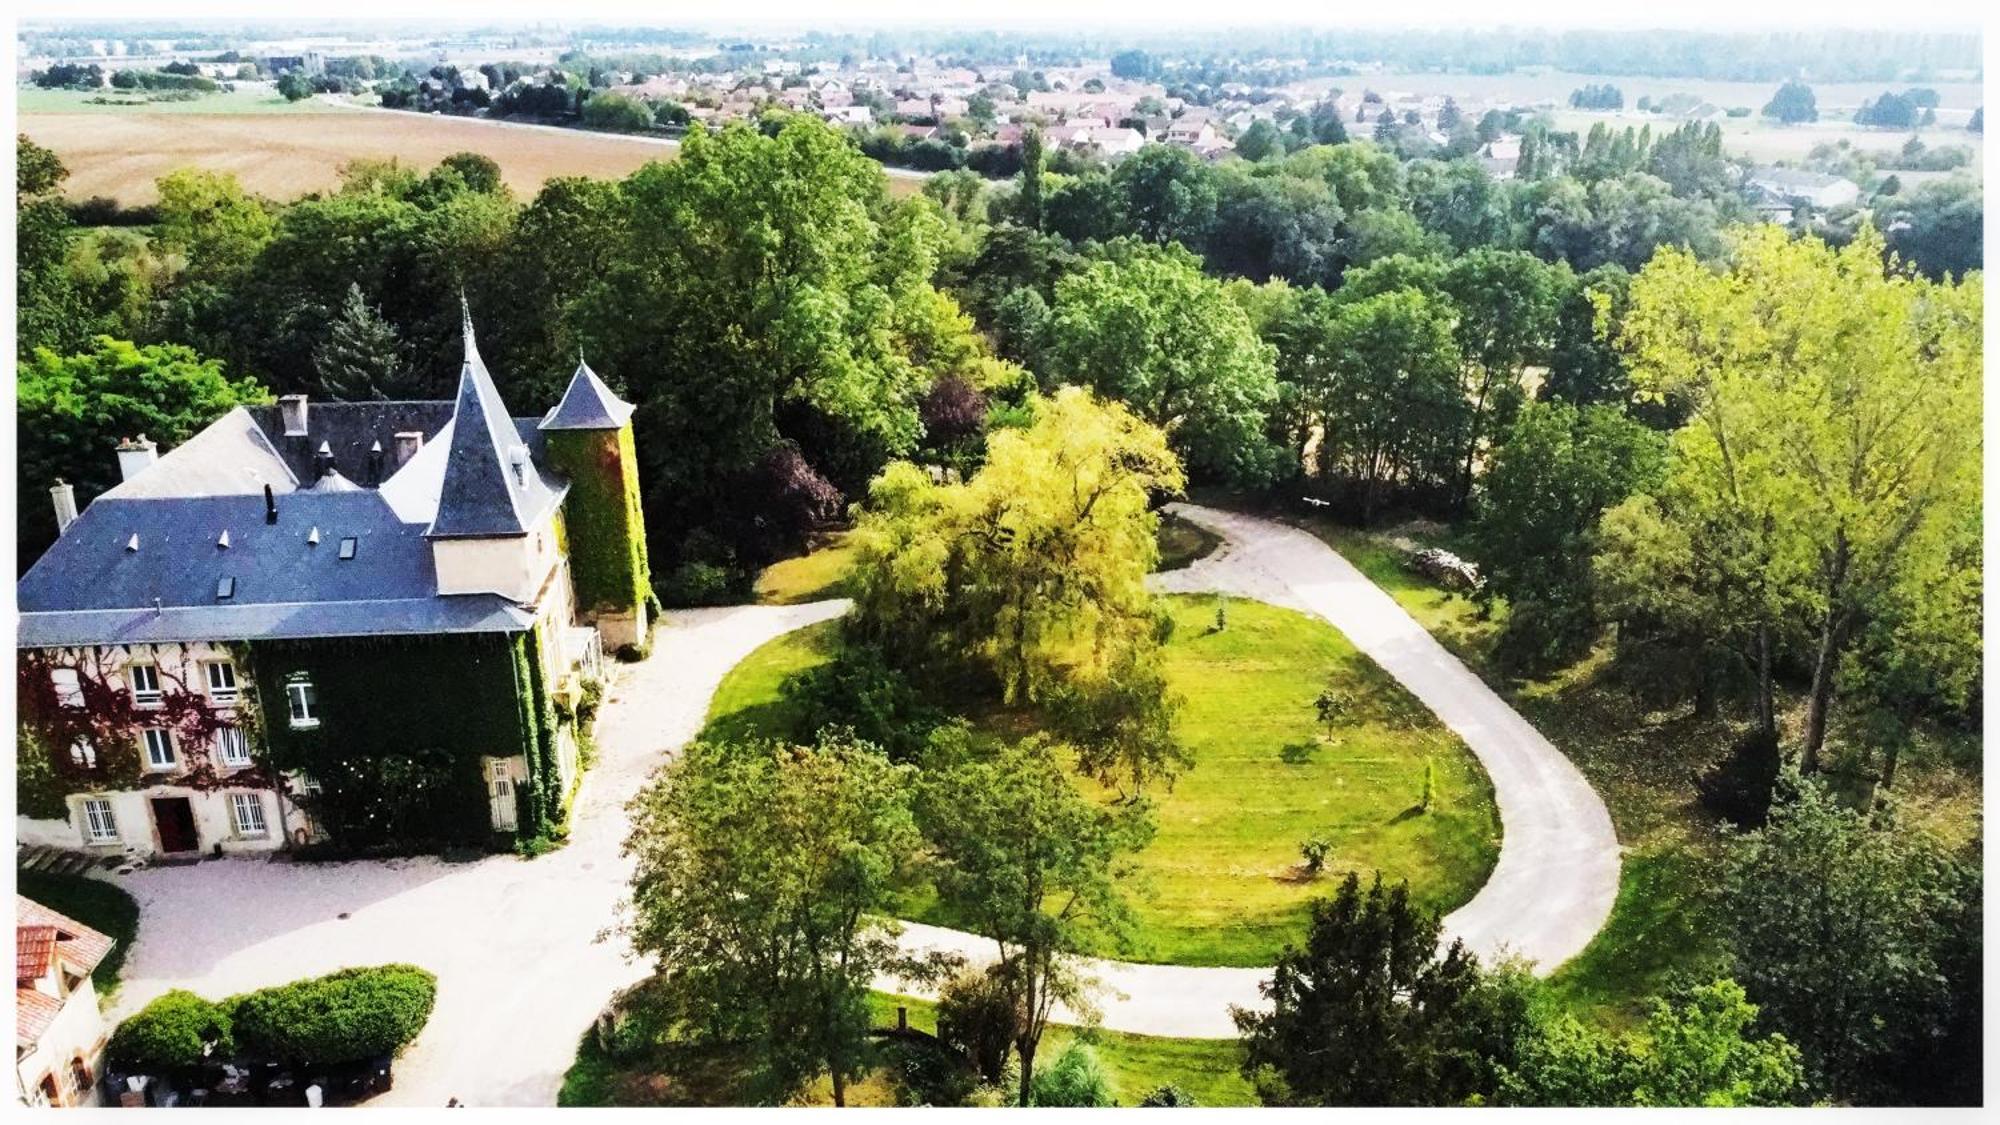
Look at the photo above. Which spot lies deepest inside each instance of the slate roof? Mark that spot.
(349, 430)
(482, 495)
(588, 405)
(91, 588)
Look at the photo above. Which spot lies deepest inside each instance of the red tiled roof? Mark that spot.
(81, 947)
(34, 952)
(35, 1011)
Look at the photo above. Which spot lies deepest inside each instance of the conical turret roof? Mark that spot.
(588, 404)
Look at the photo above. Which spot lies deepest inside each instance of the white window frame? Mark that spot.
(246, 815)
(100, 824)
(221, 693)
(302, 702)
(83, 752)
(68, 683)
(145, 696)
(228, 738)
(148, 742)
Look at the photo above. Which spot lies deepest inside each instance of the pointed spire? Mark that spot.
(588, 404)
(465, 326)
(479, 496)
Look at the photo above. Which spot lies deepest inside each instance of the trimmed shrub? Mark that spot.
(347, 1016)
(169, 1034)
(1077, 1080)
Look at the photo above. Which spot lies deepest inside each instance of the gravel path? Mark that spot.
(1557, 875)
(514, 943)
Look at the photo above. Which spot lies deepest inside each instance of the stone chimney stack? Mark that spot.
(135, 456)
(64, 495)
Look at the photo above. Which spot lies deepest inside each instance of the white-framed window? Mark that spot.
(98, 825)
(231, 748)
(304, 704)
(68, 685)
(159, 746)
(83, 753)
(145, 685)
(247, 811)
(222, 681)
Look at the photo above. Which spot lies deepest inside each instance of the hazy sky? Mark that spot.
(1136, 14)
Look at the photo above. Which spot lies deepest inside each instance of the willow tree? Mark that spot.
(1032, 572)
(1833, 451)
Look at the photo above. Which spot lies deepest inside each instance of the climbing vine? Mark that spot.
(86, 738)
(607, 540)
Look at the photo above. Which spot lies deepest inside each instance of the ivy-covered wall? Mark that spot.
(605, 524)
(403, 724)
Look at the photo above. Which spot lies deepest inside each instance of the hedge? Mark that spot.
(346, 1016)
(169, 1033)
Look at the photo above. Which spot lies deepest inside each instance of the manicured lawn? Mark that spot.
(1220, 883)
(96, 904)
(1138, 1065)
(811, 577)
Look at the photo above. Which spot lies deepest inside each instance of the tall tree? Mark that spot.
(1844, 927)
(1155, 333)
(1032, 573)
(73, 410)
(1835, 422)
(48, 311)
(362, 357)
(1034, 863)
(1506, 302)
(764, 874)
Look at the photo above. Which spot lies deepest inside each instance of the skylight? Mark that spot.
(347, 546)
(225, 588)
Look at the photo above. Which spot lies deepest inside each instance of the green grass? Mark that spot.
(96, 904)
(815, 576)
(1220, 884)
(1138, 1064)
(36, 100)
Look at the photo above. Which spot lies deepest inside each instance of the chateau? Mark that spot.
(366, 624)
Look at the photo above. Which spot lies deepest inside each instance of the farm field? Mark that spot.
(283, 155)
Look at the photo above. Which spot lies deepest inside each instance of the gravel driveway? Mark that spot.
(513, 942)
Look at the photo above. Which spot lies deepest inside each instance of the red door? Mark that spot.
(175, 818)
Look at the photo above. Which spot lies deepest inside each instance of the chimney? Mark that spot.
(270, 506)
(407, 444)
(135, 456)
(292, 408)
(64, 495)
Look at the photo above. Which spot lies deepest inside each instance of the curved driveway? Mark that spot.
(515, 946)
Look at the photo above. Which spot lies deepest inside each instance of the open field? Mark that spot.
(1220, 884)
(34, 102)
(284, 155)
